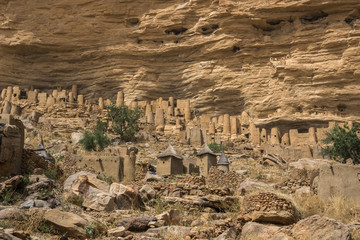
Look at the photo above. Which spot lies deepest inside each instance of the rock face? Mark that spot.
(322, 228)
(314, 227)
(262, 56)
(67, 222)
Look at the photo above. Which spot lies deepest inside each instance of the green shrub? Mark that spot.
(216, 148)
(95, 140)
(4, 224)
(125, 121)
(76, 200)
(105, 178)
(90, 229)
(44, 228)
(8, 197)
(87, 141)
(52, 173)
(343, 143)
(45, 194)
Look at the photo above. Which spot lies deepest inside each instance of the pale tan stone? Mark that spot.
(101, 103)
(81, 99)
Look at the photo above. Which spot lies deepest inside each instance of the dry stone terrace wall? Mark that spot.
(68, 111)
(265, 57)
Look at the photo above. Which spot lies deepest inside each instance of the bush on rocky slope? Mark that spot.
(343, 143)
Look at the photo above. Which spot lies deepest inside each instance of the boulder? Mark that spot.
(309, 164)
(136, 224)
(126, 197)
(8, 212)
(117, 232)
(65, 222)
(75, 137)
(340, 180)
(150, 177)
(303, 192)
(11, 183)
(275, 217)
(147, 192)
(38, 183)
(7, 236)
(98, 200)
(320, 228)
(76, 182)
(17, 234)
(94, 192)
(171, 217)
(250, 185)
(35, 203)
(258, 231)
(229, 234)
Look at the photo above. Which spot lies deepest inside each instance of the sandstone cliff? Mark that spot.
(265, 56)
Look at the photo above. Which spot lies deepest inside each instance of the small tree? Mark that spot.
(125, 121)
(216, 148)
(95, 140)
(342, 143)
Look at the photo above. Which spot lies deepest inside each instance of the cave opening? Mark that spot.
(313, 17)
(235, 49)
(176, 31)
(341, 107)
(207, 30)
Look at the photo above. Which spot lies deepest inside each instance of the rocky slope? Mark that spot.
(261, 56)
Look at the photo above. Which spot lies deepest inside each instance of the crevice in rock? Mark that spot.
(207, 30)
(264, 28)
(341, 107)
(274, 22)
(235, 49)
(176, 31)
(133, 21)
(313, 17)
(353, 15)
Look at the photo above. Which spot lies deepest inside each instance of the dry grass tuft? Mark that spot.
(338, 208)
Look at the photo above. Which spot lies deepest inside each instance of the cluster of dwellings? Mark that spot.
(178, 117)
(170, 163)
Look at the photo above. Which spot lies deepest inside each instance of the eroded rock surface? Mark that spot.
(261, 56)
